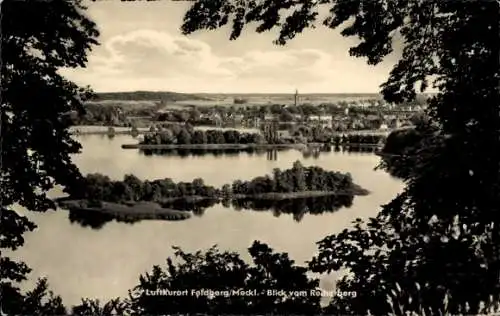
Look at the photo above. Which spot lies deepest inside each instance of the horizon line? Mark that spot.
(242, 93)
(293, 92)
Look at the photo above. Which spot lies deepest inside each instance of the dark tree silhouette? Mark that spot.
(399, 154)
(440, 232)
(241, 288)
(90, 307)
(38, 39)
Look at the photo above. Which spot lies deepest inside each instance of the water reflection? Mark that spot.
(184, 153)
(317, 152)
(271, 154)
(197, 207)
(96, 220)
(298, 208)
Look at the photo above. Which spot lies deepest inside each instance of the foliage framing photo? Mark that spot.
(438, 240)
(38, 38)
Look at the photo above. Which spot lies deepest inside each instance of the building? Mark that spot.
(323, 120)
(255, 122)
(320, 118)
(395, 123)
(285, 135)
(269, 117)
(238, 117)
(216, 119)
(355, 124)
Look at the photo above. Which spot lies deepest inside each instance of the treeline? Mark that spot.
(146, 96)
(234, 279)
(98, 187)
(97, 114)
(185, 136)
(296, 179)
(105, 114)
(230, 274)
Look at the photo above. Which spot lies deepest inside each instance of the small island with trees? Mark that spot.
(164, 199)
(175, 136)
(186, 137)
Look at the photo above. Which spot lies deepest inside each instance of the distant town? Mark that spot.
(289, 114)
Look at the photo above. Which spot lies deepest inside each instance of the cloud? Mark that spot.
(153, 54)
(156, 60)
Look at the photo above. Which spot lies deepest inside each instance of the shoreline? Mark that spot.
(161, 209)
(244, 146)
(214, 146)
(141, 210)
(278, 196)
(154, 210)
(103, 130)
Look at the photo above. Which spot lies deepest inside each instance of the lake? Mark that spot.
(83, 262)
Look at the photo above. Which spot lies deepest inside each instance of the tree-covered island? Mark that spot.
(174, 136)
(165, 199)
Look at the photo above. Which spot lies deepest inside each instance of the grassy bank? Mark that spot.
(134, 210)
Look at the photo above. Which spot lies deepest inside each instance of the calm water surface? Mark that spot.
(82, 262)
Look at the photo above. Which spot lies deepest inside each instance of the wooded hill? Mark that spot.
(146, 96)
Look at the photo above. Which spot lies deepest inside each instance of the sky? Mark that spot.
(142, 48)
